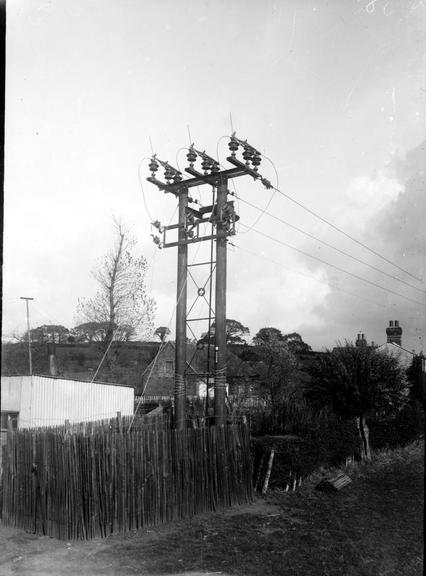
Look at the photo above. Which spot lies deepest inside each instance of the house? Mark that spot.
(158, 378)
(393, 345)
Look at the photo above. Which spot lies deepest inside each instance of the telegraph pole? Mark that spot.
(26, 298)
(190, 229)
(220, 304)
(181, 300)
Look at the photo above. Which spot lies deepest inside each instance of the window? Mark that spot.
(170, 367)
(9, 416)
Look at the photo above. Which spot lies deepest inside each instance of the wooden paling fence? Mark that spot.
(83, 484)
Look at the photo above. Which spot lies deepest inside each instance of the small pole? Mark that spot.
(26, 298)
(268, 473)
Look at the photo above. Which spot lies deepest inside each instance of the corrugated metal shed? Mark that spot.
(48, 401)
(11, 387)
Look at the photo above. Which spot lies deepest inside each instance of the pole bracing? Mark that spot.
(194, 218)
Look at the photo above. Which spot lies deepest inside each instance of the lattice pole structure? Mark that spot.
(221, 215)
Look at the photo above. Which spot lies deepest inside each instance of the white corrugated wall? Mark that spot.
(11, 393)
(50, 401)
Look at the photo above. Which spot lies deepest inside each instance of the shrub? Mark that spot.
(327, 444)
(400, 430)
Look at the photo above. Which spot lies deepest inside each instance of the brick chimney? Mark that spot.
(360, 340)
(394, 332)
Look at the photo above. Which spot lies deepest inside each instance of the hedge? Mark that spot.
(296, 456)
(403, 428)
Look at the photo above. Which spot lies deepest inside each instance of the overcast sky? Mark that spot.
(332, 92)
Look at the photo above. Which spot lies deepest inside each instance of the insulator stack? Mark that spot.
(233, 146)
(247, 154)
(168, 173)
(256, 160)
(153, 166)
(206, 165)
(191, 157)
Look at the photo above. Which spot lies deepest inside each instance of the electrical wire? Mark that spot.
(336, 267)
(151, 219)
(309, 235)
(341, 231)
(334, 226)
(310, 276)
(264, 210)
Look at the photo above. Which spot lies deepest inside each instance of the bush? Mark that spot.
(400, 430)
(296, 457)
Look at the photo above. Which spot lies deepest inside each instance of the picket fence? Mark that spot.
(82, 483)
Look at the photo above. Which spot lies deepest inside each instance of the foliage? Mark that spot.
(275, 367)
(400, 429)
(295, 343)
(90, 332)
(235, 333)
(48, 333)
(417, 378)
(15, 361)
(267, 335)
(293, 340)
(162, 332)
(329, 443)
(355, 380)
(121, 308)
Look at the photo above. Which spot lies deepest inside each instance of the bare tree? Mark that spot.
(121, 305)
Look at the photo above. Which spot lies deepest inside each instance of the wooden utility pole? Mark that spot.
(26, 298)
(190, 229)
(181, 298)
(220, 304)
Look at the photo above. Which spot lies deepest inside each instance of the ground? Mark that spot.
(372, 527)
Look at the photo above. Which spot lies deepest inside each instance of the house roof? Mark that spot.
(405, 356)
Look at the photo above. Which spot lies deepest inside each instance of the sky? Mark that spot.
(333, 93)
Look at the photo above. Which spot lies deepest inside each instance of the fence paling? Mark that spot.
(77, 484)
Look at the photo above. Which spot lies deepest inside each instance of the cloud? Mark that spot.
(387, 212)
(365, 197)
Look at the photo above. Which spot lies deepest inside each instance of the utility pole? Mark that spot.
(26, 298)
(190, 229)
(220, 303)
(181, 299)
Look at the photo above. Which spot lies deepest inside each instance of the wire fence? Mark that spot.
(85, 481)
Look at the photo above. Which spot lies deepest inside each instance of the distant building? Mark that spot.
(394, 333)
(360, 341)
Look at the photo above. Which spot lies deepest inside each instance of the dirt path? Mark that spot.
(373, 527)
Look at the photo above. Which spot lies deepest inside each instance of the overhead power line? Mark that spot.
(313, 213)
(347, 235)
(336, 267)
(310, 276)
(264, 211)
